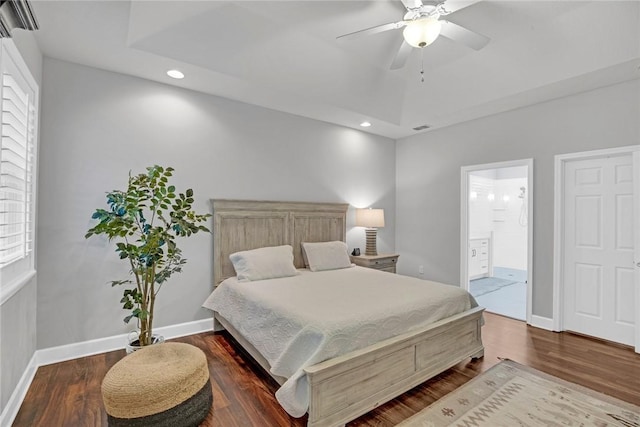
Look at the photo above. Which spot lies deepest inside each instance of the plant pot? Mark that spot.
(134, 342)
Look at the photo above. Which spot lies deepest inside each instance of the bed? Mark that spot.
(344, 386)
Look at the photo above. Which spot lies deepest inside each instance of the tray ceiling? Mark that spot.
(284, 54)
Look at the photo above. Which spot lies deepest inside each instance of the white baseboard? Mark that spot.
(542, 322)
(12, 407)
(61, 353)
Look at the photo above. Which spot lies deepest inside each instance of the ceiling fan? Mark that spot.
(422, 25)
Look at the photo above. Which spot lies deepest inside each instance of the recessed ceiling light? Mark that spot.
(175, 74)
(365, 124)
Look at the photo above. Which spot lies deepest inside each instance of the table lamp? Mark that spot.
(372, 219)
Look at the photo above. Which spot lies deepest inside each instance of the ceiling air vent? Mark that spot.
(423, 127)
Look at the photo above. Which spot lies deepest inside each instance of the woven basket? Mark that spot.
(159, 385)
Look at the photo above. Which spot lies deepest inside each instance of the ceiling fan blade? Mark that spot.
(411, 4)
(401, 56)
(451, 6)
(374, 30)
(462, 35)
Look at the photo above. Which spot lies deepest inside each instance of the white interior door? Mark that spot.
(600, 277)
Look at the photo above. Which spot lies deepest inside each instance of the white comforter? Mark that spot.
(299, 321)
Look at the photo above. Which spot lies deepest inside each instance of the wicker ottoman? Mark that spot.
(159, 385)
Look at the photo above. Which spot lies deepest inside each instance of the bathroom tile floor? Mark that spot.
(510, 300)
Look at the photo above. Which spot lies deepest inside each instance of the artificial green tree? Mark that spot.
(146, 221)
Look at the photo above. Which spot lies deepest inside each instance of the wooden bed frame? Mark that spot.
(343, 388)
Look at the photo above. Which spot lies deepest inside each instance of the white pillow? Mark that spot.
(326, 255)
(264, 263)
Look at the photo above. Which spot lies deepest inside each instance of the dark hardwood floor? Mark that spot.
(68, 393)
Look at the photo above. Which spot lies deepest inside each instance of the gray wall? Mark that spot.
(428, 174)
(18, 314)
(98, 125)
(18, 343)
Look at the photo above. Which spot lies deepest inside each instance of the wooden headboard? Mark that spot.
(240, 225)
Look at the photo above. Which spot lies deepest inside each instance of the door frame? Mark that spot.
(465, 171)
(561, 161)
(636, 256)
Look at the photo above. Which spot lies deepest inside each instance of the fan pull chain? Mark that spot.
(422, 67)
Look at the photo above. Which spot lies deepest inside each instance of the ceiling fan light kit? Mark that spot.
(421, 23)
(422, 32)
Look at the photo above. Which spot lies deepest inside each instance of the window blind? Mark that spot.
(17, 158)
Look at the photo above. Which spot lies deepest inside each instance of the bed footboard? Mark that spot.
(348, 386)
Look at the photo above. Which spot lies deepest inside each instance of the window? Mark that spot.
(18, 119)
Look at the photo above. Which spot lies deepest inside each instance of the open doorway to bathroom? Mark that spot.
(496, 236)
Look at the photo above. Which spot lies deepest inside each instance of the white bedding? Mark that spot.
(298, 321)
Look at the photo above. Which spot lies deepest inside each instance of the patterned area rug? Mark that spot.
(510, 394)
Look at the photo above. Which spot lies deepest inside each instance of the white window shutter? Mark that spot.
(18, 129)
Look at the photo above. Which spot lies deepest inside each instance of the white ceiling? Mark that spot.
(284, 54)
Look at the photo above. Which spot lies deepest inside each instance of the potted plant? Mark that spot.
(146, 220)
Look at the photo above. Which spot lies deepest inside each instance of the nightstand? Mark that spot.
(382, 262)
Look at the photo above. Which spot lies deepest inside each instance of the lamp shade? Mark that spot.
(422, 32)
(370, 218)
